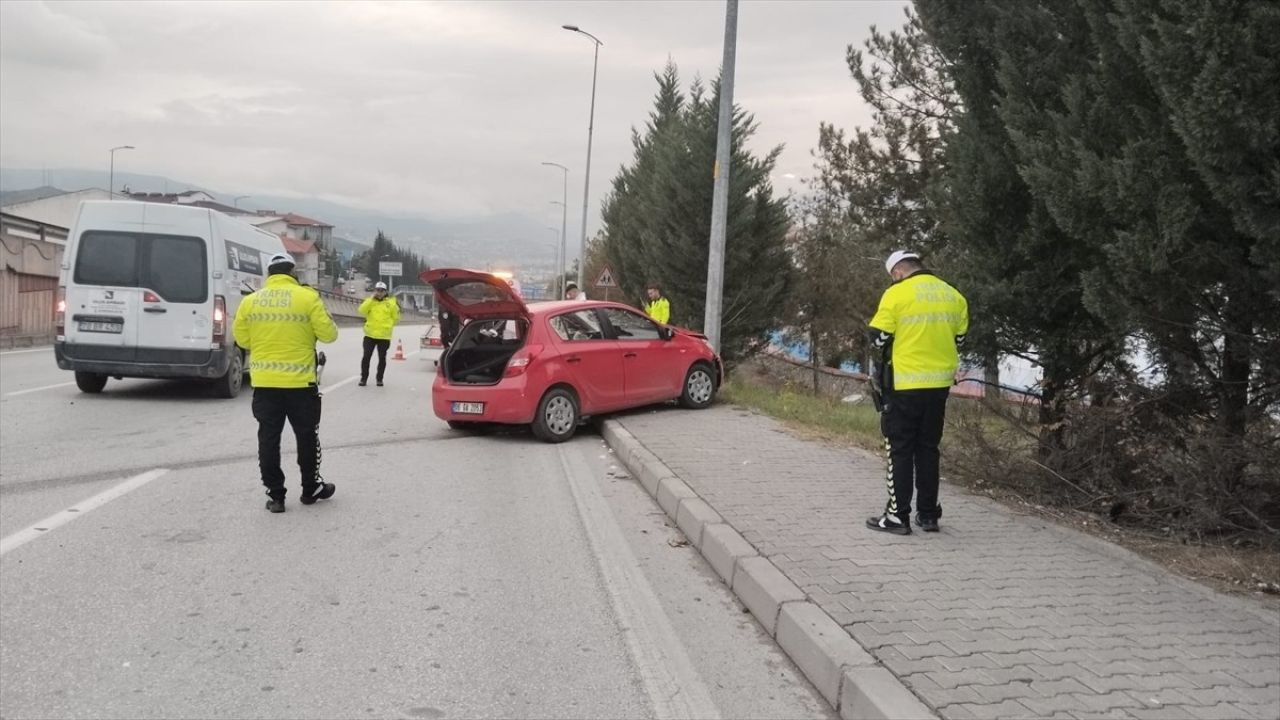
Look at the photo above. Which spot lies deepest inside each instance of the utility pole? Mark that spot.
(586, 178)
(720, 193)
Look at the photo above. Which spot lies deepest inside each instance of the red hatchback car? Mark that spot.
(551, 364)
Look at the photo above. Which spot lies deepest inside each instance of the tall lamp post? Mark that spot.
(564, 220)
(111, 182)
(586, 177)
(236, 202)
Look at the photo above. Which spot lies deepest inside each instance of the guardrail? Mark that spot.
(348, 306)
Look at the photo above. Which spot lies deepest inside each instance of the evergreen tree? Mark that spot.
(658, 218)
(1023, 275)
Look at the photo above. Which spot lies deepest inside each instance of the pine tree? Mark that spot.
(1025, 277)
(658, 218)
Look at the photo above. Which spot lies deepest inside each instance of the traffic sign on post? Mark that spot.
(606, 279)
(393, 269)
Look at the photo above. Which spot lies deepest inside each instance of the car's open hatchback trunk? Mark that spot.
(497, 323)
(480, 354)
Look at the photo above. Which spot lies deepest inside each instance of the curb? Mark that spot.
(844, 672)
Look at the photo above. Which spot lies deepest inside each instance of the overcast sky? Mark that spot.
(439, 109)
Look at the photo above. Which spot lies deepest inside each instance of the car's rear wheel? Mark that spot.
(90, 382)
(699, 387)
(228, 386)
(557, 417)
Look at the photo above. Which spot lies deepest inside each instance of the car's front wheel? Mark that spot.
(90, 382)
(557, 417)
(699, 387)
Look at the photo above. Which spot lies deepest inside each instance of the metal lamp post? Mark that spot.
(561, 260)
(111, 182)
(586, 177)
(236, 202)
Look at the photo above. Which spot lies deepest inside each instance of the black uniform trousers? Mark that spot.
(369, 345)
(301, 407)
(912, 427)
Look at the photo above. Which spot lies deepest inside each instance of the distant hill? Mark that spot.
(502, 240)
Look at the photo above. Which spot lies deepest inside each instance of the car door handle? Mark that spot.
(155, 310)
(573, 360)
(629, 355)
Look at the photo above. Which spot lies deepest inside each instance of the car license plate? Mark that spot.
(468, 408)
(102, 327)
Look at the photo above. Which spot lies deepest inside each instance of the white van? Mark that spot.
(149, 290)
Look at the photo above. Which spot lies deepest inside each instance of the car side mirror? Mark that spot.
(666, 333)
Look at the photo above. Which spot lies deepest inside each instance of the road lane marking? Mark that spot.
(39, 389)
(353, 378)
(58, 519)
(670, 679)
(21, 352)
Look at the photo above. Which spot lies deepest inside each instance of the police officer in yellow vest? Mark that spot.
(658, 308)
(381, 313)
(279, 326)
(920, 323)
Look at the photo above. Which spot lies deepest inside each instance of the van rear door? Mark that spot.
(103, 298)
(176, 312)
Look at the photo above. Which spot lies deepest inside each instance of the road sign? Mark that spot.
(393, 269)
(606, 279)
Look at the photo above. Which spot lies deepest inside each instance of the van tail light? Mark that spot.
(60, 313)
(521, 361)
(219, 320)
(148, 296)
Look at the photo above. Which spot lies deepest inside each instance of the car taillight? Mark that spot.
(521, 360)
(148, 296)
(60, 313)
(219, 320)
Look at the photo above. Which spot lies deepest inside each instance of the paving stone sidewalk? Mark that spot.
(1000, 615)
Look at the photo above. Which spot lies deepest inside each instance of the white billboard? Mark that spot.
(393, 269)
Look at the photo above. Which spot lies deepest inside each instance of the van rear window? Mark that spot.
(172, 266)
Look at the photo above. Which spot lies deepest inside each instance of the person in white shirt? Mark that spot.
(571, 292)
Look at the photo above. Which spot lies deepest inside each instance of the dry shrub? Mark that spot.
(1137, 461)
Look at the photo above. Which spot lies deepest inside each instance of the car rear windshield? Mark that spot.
(174, 267)
(475, 293)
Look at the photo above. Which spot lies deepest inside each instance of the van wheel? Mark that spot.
(228, 386)
(90, 382)
(699, 387)
(557, 417)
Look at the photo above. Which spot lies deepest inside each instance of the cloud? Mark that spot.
(443, 109)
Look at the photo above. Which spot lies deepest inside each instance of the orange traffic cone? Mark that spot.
(399, 351)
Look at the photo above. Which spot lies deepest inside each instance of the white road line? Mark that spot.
(672, 682)
(56, 520)
(39, 389)
(353, 378)
(22, 352)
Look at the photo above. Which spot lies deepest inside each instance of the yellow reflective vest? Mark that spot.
(380, 316)
(280, 325)
(659, 310)
(924, 315)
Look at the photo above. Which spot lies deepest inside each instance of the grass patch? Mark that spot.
(796, 407)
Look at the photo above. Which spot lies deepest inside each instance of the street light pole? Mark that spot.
(111, 181)
(564, 220)
(586, 177)
(236, 202)
(720, 192)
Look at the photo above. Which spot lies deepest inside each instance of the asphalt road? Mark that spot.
(451, 575)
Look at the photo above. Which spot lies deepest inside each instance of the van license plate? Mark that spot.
(102, 327)
(466, 408)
